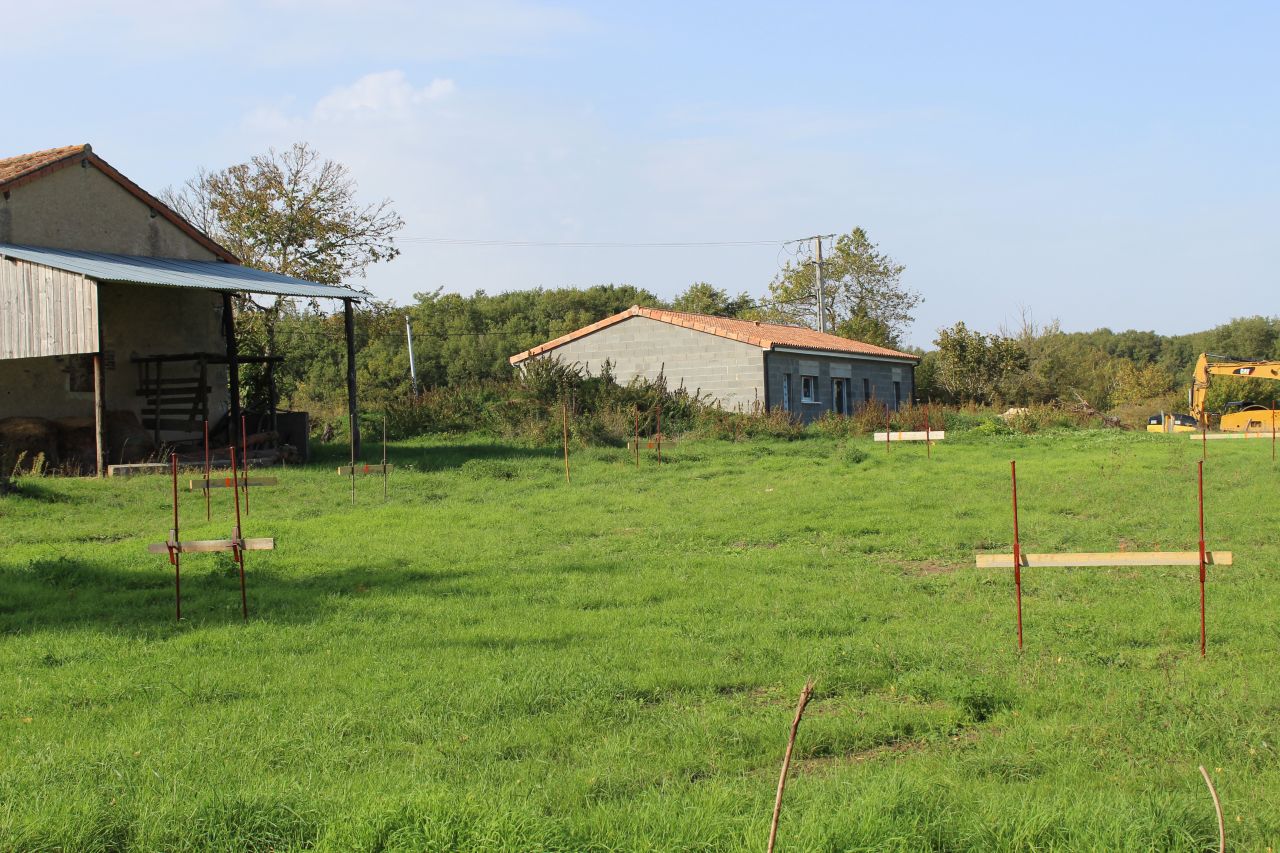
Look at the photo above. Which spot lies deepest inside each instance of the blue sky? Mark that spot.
(1101, 164)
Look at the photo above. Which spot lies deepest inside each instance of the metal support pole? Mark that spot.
(352, 425)
(637, 437)
(233, 363)
(1017, 549)
(384, 457)
(413, 371)
(888, 427)
(822, 311)
(349, 324)
(1200, 500)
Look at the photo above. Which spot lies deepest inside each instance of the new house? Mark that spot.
(742, 364)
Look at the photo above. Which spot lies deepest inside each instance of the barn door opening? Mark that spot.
(840, 396)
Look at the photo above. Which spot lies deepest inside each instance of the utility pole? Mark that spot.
(413, 373)
(822, 314)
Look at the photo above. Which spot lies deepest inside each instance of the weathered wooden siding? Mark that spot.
(45, 312)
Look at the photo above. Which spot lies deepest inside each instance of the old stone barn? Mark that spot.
(740, 363)
(117, 335)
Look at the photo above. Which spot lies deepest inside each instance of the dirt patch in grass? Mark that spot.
(927, 568)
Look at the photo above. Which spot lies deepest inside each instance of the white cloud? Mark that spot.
(383, 94)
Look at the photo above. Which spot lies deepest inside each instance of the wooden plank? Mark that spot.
(136, 468)
(919, 435)
(1195, 436)
(208, 546)
(45, 312)
(227, 483)
(345, 470)
(1114, 558)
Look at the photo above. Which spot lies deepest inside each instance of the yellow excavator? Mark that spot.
(1249, 418)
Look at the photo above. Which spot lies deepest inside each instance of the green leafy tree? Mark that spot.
(290, 212)
(864, 295)
(972, 366)
(703, 298)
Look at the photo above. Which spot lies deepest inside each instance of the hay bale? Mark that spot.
(127, 441)
(77, 445)
(31, 440)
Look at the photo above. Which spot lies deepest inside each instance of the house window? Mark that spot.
(866, 389)
(839, 396)
(897, 395)
(808, 389)
(786, 392)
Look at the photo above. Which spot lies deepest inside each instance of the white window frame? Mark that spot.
(808, 389)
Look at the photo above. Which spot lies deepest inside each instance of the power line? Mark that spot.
(578, 244)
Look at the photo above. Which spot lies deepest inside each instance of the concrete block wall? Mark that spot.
(879, 377)
(729, 371)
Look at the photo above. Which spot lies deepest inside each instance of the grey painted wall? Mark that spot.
(877, 376)
(729, 371)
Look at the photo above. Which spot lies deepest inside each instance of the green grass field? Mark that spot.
(493, 660)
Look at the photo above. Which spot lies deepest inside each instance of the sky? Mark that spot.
(1108, 164)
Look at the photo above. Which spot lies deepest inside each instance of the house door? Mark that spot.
(840, 396)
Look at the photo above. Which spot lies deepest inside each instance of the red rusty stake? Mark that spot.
(1017, 549)
(244, 459)
(659, 433)
(1204, 436)
(1273, 430)
(928, 446)
(637, 436)
(237, 553)
(564, 423)
(1200, 498)
(888, 426)
(207, 511)
(175, 555)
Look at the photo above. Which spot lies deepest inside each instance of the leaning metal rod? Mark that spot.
(1200, 498)
(237, 553)
(175, 555)
(1017, 549)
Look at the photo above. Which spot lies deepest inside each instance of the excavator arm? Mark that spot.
(1205, 369)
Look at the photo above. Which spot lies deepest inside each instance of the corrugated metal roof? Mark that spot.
(173, 272)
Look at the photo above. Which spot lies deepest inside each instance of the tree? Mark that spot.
(864, 295)
(290, 212)
(703, 298)
(972, 366)
(293, 213)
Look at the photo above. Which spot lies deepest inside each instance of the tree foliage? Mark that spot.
(864, 295)
(972, 366)
(290, 212)
(703, 298)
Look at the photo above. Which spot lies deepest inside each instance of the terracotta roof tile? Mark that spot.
(763, 335)
(12, 168)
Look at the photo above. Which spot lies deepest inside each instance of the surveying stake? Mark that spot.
(1020, 559)
(208, 483)
(237, 544)
(353, 470)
